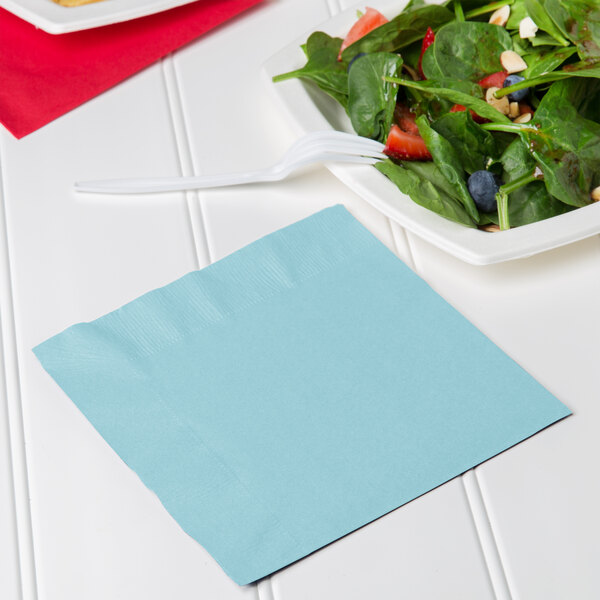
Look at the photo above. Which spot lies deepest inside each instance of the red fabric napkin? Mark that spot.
(43, 76)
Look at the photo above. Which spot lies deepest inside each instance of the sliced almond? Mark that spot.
(501, 104)
(511, 62)
(527, 28)
(491, 227)
(596, 194)
(500, 16)
(513, 110)
(489, 94)
(524, 118)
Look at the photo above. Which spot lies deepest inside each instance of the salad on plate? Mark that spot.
(489, 112)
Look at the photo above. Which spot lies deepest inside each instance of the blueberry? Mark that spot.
(519, 94)
(353, 59)
(483, 186)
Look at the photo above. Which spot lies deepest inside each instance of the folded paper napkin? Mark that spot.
(43, 76)
(295, 391)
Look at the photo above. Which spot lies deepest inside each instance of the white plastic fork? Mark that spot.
(315, 147)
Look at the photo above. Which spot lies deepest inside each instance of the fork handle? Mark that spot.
(175, 184)
(172, 184)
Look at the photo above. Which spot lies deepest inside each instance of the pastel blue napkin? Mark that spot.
(295, 391)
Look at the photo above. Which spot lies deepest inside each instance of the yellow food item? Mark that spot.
(74, 2)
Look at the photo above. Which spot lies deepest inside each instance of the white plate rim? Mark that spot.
(56, 19)
(296, 98)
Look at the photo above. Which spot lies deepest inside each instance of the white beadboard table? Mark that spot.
(76, 524)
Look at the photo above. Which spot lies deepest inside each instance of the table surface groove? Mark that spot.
(16, 506)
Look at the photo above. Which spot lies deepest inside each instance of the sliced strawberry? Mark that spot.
(369, 21)
(476, 117)
(427, 41)
(405, 146)
(493, 80)
(405, 119)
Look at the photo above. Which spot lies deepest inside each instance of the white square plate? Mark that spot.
(310, 109)
(54, 18)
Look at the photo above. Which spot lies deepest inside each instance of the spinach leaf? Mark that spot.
(430, 171)
(427, 187)
(536, 10)
(473, 144)
(532, 202)
(446, 89)
(463, 86)
(585, 96)
(578, 20)
(406, 28)
(431, 69)
(521, 46)
(541, 63)
(371, 99)
(466, 50)
(431, 106)
(565, 144)
(517, 13)
(470, 5)
(414, 4)
(544, 39)
(323, 67)
(449, 164)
